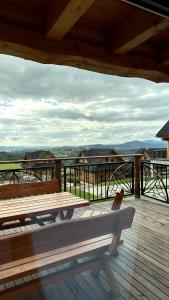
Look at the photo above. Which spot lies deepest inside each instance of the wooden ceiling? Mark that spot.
(107, 36)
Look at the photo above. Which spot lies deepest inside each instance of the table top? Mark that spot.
(25, 207)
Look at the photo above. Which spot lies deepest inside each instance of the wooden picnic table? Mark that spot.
(31, 207)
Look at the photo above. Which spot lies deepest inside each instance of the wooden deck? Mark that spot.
(142, 267)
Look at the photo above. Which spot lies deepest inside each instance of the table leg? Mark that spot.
(1, 225)
(38, 221)
(54, 216)
(66, 216)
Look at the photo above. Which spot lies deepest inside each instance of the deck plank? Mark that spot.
(142, 267)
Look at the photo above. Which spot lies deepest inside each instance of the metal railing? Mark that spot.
(91, 181)
(28, 175)
(155, 180)
(99, 181)
(96, 181)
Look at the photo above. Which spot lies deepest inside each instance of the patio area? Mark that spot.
(97, 37)
(142, 267)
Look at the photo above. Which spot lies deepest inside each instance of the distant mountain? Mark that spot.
(132, 145)
(141, 144)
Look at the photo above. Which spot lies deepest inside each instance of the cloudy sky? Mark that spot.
(56, 105)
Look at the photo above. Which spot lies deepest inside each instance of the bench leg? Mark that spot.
(37, 221)
(111, 279)
(119, 242)
(96, 272)
(68, 215)
(115, 251)
(53, 217)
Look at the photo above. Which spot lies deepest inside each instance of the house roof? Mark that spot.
(164, 131)
(40, 154)
(95, 35)
(97, 162)
(98, 152)
(151, 151)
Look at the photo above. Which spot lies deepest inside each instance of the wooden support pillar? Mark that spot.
(58, 174)
(137, 166)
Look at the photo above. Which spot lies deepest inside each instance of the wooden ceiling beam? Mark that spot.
(62, 15)
(130, 35)
(31, 45)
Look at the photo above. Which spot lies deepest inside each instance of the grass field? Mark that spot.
(9, 166)
(82, 194)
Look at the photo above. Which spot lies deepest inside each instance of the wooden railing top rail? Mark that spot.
(68, 158)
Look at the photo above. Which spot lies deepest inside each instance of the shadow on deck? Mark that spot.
(142, 267)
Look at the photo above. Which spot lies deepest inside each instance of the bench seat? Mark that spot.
(38, 262)
(93, 239)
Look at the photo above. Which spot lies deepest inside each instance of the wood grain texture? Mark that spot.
(81, 34)
(28, 189)
(25, 253)
(141, 268)
(63, 15)
(32, 45)
(38, 205)
(137, 32)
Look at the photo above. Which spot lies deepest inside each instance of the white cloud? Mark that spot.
(56, 105)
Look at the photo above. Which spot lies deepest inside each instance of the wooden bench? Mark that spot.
(10, 191)
(115, 206)
(16, 190)
(93, 239)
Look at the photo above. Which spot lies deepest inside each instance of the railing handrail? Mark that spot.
(67, 158)
(99, 164)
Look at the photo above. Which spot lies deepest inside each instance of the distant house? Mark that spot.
(93, 170)
(164, 135)
(153, 153)
(41, 170)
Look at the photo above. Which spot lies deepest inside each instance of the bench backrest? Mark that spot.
(9, 191)
(118, 200)
(63, 234)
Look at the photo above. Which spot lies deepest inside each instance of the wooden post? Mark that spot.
(137, 175)
(58, 174)
(168, 149)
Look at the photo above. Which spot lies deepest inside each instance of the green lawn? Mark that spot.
(81, 194)
(9, 166)
(115, 181)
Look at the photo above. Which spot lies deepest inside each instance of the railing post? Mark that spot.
(137, 165)
(59, 173)
(65, 179)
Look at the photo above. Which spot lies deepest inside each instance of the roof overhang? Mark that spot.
(113, 37)
(158, 7)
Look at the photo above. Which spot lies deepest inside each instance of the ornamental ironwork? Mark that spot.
(155, 180)
(99, 181)
(122, 178)
(26, 175)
